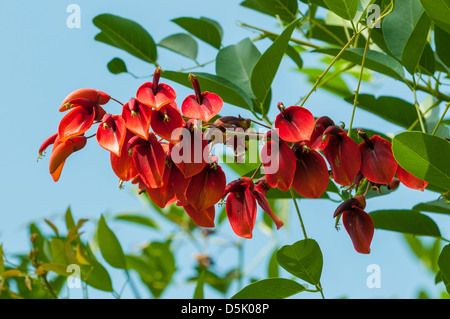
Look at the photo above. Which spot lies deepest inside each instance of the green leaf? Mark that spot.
(444, 266)
(229, 92)
(389, 108)
(109, 245)
(138, 219)
(2, 264)
(273, 268)
(335, 85)
(303, 259)
(285, 9)
(117, 66)
(438, 11)
(375, 61)
(344, 8)
(437, 206)
(405, 221)
(96, 276)
(425, 156)
(362, 7)
(199, 293)
(427, 61)
(127, 35)
(442, 41)
(416, 44)
(182, 44)
(70, 222)
(267, 66)
(235, 63)
(272, 288)
(204, 29)
(59, 269)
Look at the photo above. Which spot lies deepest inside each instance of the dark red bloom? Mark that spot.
(111, 133)
(294, 124)
(318, 141)
(378, 164)
(342, 154)
(311, 172)
(137, 117)
(410, 180)
(167, 119)
(202, 106)
(279, 162)
(155, 94)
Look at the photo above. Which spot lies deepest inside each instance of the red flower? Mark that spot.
(294, 124)
(123, 165)
(167, 119)
(95, 96)
(155, 94)
(378, 164)
(410, 180)
(61, 151)
(202, 106)
(111, 133)
(318, 141)
(311, 172)
(343, 155)
(137, 117)
(357, 222)
(279, 162)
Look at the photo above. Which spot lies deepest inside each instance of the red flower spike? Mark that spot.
(61, 151)
(343, 155)
(123, 165)
(166, 120)
(279, 163)
(149, 158)
(137, 117)
(241, 211)
(359, 226)
(311, 173)
(294, 124)
(410, 180)
(204, 218)
(259, 193)
(155, 94)
(206, 188)
(318, 141)
(202, 106)
(378, 164)
(78, 120)
(111, 133)
(95, 96)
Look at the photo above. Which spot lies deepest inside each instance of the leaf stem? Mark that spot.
(298, 212)
(441, 119)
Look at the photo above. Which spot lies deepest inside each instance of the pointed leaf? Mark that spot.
(204, 29)
(182, 44)
(109, 245)
(272, 288)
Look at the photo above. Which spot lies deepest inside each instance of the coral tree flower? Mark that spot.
(410, 180)
(241, 205)
(155, 94)
(95, 96)
(202, 106)
(166, 120)
(294, 124)
(311, 172)
(111, 133)
(318, 140)
(378, 164)
(358, 224)
(137, 117)
(123, 165)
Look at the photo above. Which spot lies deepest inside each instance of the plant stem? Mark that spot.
(441, 119)
(298, 213)
(416, 104)
(355, 102)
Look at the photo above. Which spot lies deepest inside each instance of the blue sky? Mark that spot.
(43, 60)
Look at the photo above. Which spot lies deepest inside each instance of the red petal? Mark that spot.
(203, 218)
(359, 226)
(295, 124)
(63, 150)
(259, 193)
(279, 164)
(410, 180)
(163, 196)
(166, 120)
(111, 134)
(344, 157)
(123, 165)
(95, 96)
(311, 174)
(210, 107)
(378, 165)
(137, 117)
(164, 95)
(241, 212)
(49, 141)
(179, 184)
(76, 122)
(317, 141)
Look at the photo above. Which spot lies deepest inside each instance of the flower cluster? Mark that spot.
(166, 151)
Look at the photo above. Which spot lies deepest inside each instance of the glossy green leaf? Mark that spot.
(267, 66)
(346, 9)
(392, 109)
(444, 266)
(425, 156)
(272, 288)
(427, 61)
(375, 61)
(438, 11)
(416, 44)
(117, 66)
(109, 245)
(303, 259)
(437, 206)
(199, 288)
(273, 270)
(285, 9)
(138, 219)
(405, 221)
(235, 63)
(229, 92)
(127, 35)
(203, 28)
(182, 44)
(442, 41)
